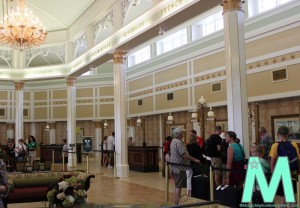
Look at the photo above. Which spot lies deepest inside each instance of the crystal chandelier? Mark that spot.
(21, 29)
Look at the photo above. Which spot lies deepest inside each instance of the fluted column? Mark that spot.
(19, 129)
(120, 113)
(52, 134)
(10, 130)
(236, 76)
(98, 134)
(71, 120)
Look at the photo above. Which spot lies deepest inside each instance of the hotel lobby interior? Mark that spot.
(142, 68)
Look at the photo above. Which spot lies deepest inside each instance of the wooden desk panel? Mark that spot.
(143, 159)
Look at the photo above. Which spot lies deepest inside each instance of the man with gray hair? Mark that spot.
(265, 141)
(180, 156)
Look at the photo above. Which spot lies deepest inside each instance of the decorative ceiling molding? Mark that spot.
(6, 55)
(103, 23)
(59, 51)
(80, 46)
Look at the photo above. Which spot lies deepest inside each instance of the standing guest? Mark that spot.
(195, 151)
(104, 150)
(167, 154)
(130, 141)
(21, 150)
(3, 183)
(215, 154)
(179, 155)
(285, 148)
(265, 141)
(11, 147)
(224, 147)
(65, 150)
(200, 140)
(111, 148)
(31, 146)
(235, 161)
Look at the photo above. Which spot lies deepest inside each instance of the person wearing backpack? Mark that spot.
(213, 150)
(289, 149)
(21, 150)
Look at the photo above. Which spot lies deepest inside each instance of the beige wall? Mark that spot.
(209, 62)
(180, 100)
(146, 107)
(171, 74)
(143, 82)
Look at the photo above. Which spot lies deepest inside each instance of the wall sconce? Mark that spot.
(139, 122)
(170, 119)
(47, 127)
(161, 31)
(136, 2)
(105, 125)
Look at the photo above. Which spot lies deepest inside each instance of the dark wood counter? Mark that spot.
(46, 152)
(143, 159)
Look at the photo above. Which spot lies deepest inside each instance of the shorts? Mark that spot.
(217, 163)
(180, 179)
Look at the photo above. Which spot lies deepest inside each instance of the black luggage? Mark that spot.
(228, 195)
(200, 187)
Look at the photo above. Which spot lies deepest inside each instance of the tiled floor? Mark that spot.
(138, 188)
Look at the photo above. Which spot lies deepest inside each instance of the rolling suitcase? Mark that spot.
(228, 195)
(200, 187)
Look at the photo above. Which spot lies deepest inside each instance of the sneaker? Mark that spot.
(109, 166)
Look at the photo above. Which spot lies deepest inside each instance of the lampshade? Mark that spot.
(201, 100)
(170, 117)
(139, 121)
(194, 115)
(210, 113)
(105, 124)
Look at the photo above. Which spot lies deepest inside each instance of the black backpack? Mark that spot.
(287, 149)
(208, 148)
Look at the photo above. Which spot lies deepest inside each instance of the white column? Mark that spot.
(98, 135)
(120, 114)
(32, 129)
(71, 120)
(10, 130)
(236, 76)
(52, 133)
(19, 111)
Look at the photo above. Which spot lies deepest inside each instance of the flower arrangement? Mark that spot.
(67, 193)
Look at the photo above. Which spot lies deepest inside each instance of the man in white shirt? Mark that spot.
(110, 148)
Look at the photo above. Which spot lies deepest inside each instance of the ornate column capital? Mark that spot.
(71, 81)
(119, 57)
(98, 124)
(19, 85)
(10, 126)
(232, 5)
(52, 126)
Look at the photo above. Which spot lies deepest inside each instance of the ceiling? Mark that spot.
(53, 14)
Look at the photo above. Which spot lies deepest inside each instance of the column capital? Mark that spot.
(98, 124)
(71, 81)
(52, 126)
(19, 85)
(232, 5)
(119, 57)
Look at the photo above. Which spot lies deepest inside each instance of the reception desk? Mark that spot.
(46, 152)
(143, 159)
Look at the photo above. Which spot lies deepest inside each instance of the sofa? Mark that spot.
(33, 187)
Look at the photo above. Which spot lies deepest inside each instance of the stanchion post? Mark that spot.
(211, 183)
(83, 163)
(53, 161)
(298, 191)
(115, 166)
(100, 161)
(167, 181)
(87, 163)
(63, 160)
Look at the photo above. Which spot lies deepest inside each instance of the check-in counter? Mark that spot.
(143, 158)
